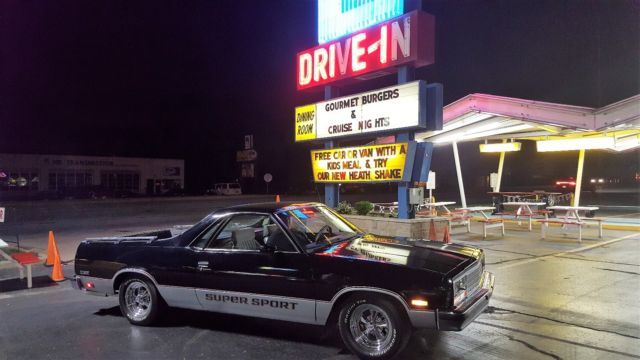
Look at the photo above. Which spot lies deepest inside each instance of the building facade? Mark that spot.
(98, 175)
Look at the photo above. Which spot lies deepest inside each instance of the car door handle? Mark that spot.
(203, 265)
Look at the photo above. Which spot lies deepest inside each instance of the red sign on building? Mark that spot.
(404, 40)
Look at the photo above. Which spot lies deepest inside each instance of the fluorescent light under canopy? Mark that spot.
(500, 147)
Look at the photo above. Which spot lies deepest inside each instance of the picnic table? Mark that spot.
(21, 261)
(434, 205)
(572, 218)
(385, 208)
(524, 210)
(486, 221)
(549, 198)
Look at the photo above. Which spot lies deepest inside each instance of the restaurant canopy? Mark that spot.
(555, 127)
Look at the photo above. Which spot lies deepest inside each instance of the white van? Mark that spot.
(227, 189)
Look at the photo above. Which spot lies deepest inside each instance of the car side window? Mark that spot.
(242, 232)
(204, 238)
(274, 236)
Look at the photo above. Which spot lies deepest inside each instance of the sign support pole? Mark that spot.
(405, 211)
(331, 191)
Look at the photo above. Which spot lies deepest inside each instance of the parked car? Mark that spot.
(565, 184)
(225, 189)
(295, 262)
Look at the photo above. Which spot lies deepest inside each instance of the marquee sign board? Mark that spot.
(377, 163)
(405, 40)
(340, 17)
(400, 107)
(246, 155)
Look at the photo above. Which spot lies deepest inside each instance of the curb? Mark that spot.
(604, 226)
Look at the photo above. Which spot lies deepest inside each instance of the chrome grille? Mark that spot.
(472, 277)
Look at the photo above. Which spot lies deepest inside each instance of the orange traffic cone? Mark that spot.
(51, 249)
(277, 198)
(432, 231)
(447, 237)
(56, 274)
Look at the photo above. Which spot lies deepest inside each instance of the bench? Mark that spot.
(426, 213)
(458, 218)
(596, 220)
(529, 216)
(491, 223)
(545, 223)
(26, 260)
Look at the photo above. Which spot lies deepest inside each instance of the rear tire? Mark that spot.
(139, 301)
(373, 327)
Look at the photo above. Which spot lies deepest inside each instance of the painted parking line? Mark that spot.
(580, 249)
(27, 292)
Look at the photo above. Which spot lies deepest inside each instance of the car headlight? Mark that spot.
(459, 291)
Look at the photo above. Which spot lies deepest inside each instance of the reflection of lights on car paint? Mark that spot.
(308, 212)
(334, 249)
(300, 214)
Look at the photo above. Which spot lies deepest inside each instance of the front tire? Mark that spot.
(373, 327)
(139, 301)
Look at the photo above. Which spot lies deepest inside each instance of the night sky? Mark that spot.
(187, 79)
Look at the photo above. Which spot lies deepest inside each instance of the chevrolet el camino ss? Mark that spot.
(294, 262)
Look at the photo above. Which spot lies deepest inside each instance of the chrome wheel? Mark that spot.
(371, 328)
(137, 301)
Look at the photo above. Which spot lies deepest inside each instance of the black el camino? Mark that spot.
(295, 262)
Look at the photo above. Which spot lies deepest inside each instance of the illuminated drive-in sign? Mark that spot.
(377, 163)
(399, 107)
(341, 17)
(404, 40)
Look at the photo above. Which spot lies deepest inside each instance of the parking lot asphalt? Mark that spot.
(554, 299)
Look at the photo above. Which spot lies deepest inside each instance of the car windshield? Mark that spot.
(314, 227)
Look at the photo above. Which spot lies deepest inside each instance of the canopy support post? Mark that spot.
(456, 157)
(576, 197)
(500, 166)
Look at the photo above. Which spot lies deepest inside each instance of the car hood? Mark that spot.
(419, 254)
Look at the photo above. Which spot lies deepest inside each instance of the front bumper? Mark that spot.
(462, 316)
(467, 312)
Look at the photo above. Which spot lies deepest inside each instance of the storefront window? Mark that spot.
(69, 180)
(120, 180)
